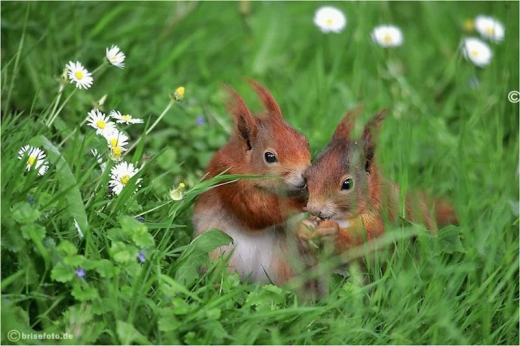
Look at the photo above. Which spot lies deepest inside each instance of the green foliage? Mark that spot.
(101, 268)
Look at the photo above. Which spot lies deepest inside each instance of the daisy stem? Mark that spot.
(52, 116)
(172, 102)
(73, 132)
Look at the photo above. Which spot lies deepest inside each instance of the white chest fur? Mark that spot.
(253, 253)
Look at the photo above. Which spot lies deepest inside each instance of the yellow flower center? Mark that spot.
(490, 30)
(126, 117)
(125, 179)
(31, 160)
(116, 150)
(112, 58)
(78, 75)
(474, 53)
(329, 21)
(113, 142)
(181, 186)
(387, 38)
(101, 124)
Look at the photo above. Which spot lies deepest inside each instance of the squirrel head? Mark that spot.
(341, 179)
(268, 145)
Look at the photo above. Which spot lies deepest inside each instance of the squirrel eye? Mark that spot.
(347, 184)
(270, 157)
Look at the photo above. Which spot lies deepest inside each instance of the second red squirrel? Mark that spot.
(254, 211)
(352, 199)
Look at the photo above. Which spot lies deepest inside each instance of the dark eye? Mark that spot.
(347, 184)
(270, 157)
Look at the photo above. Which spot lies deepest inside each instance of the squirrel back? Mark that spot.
(253, 211)
(346, 185)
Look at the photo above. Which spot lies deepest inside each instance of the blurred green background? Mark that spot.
(451, 129)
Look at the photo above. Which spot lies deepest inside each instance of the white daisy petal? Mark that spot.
(127, 118)
(35, 159)
(490, 28)
(100, 122)
(115, 56)
(330, 19)
(120, 174)
(387, 36)
(477, 51)
(79, 75)
(116, 138)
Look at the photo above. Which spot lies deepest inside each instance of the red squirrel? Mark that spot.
(254, 211)
(350, 197)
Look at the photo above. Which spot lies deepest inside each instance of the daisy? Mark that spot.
(115, 56)
(100, 122)
(127, 118)
(330, 19)
(490, 28)
(120, 174)
(387, 36)
(79, 75)
(35, 158)
(477, 51)
(116, 138)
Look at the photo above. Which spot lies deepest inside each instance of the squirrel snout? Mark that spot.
(317, 210)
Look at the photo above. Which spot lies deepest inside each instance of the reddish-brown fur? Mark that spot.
(372, 201)
(254, 211)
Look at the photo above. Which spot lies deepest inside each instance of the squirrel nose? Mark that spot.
(315, 209)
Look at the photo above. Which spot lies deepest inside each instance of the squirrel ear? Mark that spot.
(246, 127)
(273, 110)
(371, 131)
(346, 124)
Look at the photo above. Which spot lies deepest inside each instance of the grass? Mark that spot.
(442, 136)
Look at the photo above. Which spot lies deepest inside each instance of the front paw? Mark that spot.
(327, 231)
(306, 229)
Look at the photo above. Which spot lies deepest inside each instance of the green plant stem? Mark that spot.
(172, 102)
(16, 62)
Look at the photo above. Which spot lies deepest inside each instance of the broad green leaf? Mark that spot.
(33, 231)
(68, 183)
(128, 335)
(62, 272)
(84, 293)
(66, 248)
(23, 212)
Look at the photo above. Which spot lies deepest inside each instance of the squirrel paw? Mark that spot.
(318, 234)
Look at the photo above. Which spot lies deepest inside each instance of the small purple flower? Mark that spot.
(31, 200)
(80, 273)
(141, 257)
(200, 120)
(140, 219)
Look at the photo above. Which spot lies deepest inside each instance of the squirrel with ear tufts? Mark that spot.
(350, 198)
(254, 212)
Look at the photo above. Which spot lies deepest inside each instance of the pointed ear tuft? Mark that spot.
(370, 133)
(273, 110)
(246, 126)
(346, 125)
